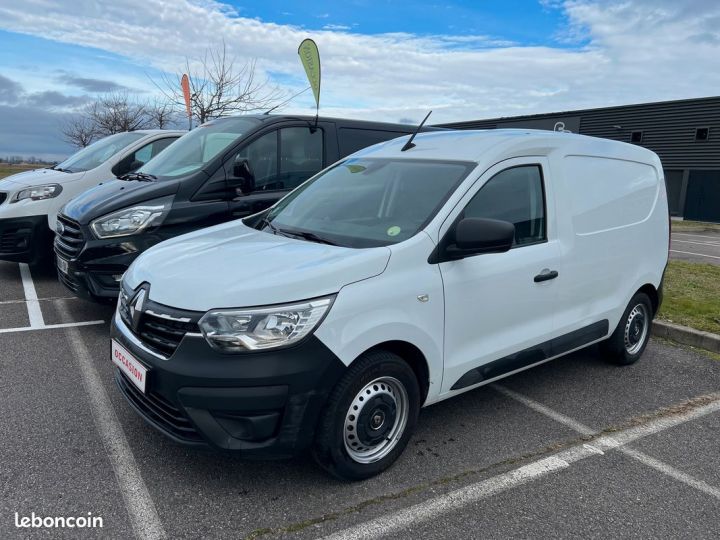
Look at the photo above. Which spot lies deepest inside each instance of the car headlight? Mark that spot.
(235, 330)
(132, 220)
(38, 193)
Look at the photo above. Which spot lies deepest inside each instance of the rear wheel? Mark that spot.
(369, 417)
(628, 341)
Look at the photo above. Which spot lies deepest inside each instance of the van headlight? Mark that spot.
(132, 220)
(236, 330)
(38, 193)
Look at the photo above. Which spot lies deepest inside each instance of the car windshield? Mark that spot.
(193, 151)
(367, 202)
(98, 152)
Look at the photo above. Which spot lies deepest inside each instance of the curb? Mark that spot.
(687, 336)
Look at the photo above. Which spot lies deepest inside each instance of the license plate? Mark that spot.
(62, 265)
(134, 370)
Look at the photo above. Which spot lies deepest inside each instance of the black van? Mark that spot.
(223, 170)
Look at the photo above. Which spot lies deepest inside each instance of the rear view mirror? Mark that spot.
(478, 235)
(243, 179)
(135, 165)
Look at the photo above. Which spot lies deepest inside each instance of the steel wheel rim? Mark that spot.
(636, 328)
(369, 415)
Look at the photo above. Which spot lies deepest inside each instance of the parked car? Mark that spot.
(29, 201)
(226, 169)
(393, 280)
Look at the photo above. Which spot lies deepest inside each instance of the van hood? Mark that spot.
(234, 266)
(115, 195)
(38, 177)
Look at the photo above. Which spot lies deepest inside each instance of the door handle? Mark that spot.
(546, 275)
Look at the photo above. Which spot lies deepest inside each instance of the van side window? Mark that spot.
(301, 155)
(515, 195)
(141, 156)
(262, 156)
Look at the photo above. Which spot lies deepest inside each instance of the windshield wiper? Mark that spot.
(265, 222)
(56, 168)
(307, 235)
(140, 176)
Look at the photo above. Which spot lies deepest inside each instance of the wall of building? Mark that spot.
(692, 167)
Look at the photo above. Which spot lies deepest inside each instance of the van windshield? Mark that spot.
(193, 151)
(367, 202)
(98, 152)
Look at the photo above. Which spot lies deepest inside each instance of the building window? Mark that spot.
(702, 134)
(636, 137)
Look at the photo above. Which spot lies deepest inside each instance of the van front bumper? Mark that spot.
(25, 239)
(261, 404)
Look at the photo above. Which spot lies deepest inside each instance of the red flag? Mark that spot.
(185, 83)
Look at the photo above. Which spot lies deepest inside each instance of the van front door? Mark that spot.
(499, 306)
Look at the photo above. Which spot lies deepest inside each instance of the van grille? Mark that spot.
(158, 411)
(71, 242)
(157, 330)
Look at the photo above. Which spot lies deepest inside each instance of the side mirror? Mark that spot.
(478, 235)
(243, 179)
(135, 165)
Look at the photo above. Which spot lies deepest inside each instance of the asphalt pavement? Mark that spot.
(575, 447)
(696, 246)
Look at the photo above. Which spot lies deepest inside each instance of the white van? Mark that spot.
(390, 281)
(30, 201)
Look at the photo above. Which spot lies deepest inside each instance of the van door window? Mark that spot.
(515, 195)
(262, 158)
(141, 156)
(301, 155)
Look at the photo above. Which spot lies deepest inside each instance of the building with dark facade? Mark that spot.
(684, 133)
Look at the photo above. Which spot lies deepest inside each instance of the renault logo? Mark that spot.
(59, 228)
(136, 308)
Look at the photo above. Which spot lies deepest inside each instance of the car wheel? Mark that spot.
(628, 341)
(369, 417)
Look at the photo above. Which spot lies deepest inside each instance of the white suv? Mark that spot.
(390, 281)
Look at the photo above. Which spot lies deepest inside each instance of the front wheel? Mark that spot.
(628, 341)
(369, 417)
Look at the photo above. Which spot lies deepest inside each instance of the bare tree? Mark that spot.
(79, 130)
(219, 88)
(115, 113)
(161, 114)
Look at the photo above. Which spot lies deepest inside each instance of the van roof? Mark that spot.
(346, 122)
(499, 144)
(161, 131)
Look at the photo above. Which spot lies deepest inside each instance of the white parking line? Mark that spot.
(473, 493)
(585, 430)
(139, 504)
(711, 244)
(697, 235)
(49, 326)
(696, 254)
(31, 298)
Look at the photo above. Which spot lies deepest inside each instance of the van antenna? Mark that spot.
(409, 144)
(288, 100)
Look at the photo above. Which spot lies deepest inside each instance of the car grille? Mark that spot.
(70, 243)
(158, 330)
(158, 411)
(3, 196)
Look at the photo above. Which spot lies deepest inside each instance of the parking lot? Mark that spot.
(575, 447)
(696, 246)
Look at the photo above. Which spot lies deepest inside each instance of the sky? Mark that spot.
(381, 60)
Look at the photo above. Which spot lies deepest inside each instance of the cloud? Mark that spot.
(615, 52)
(54, 99)
(89, 84)
(9, 90)
(337, 27)
(30, 130)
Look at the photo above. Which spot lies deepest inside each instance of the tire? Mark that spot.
(627, 343)
(368, 418)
